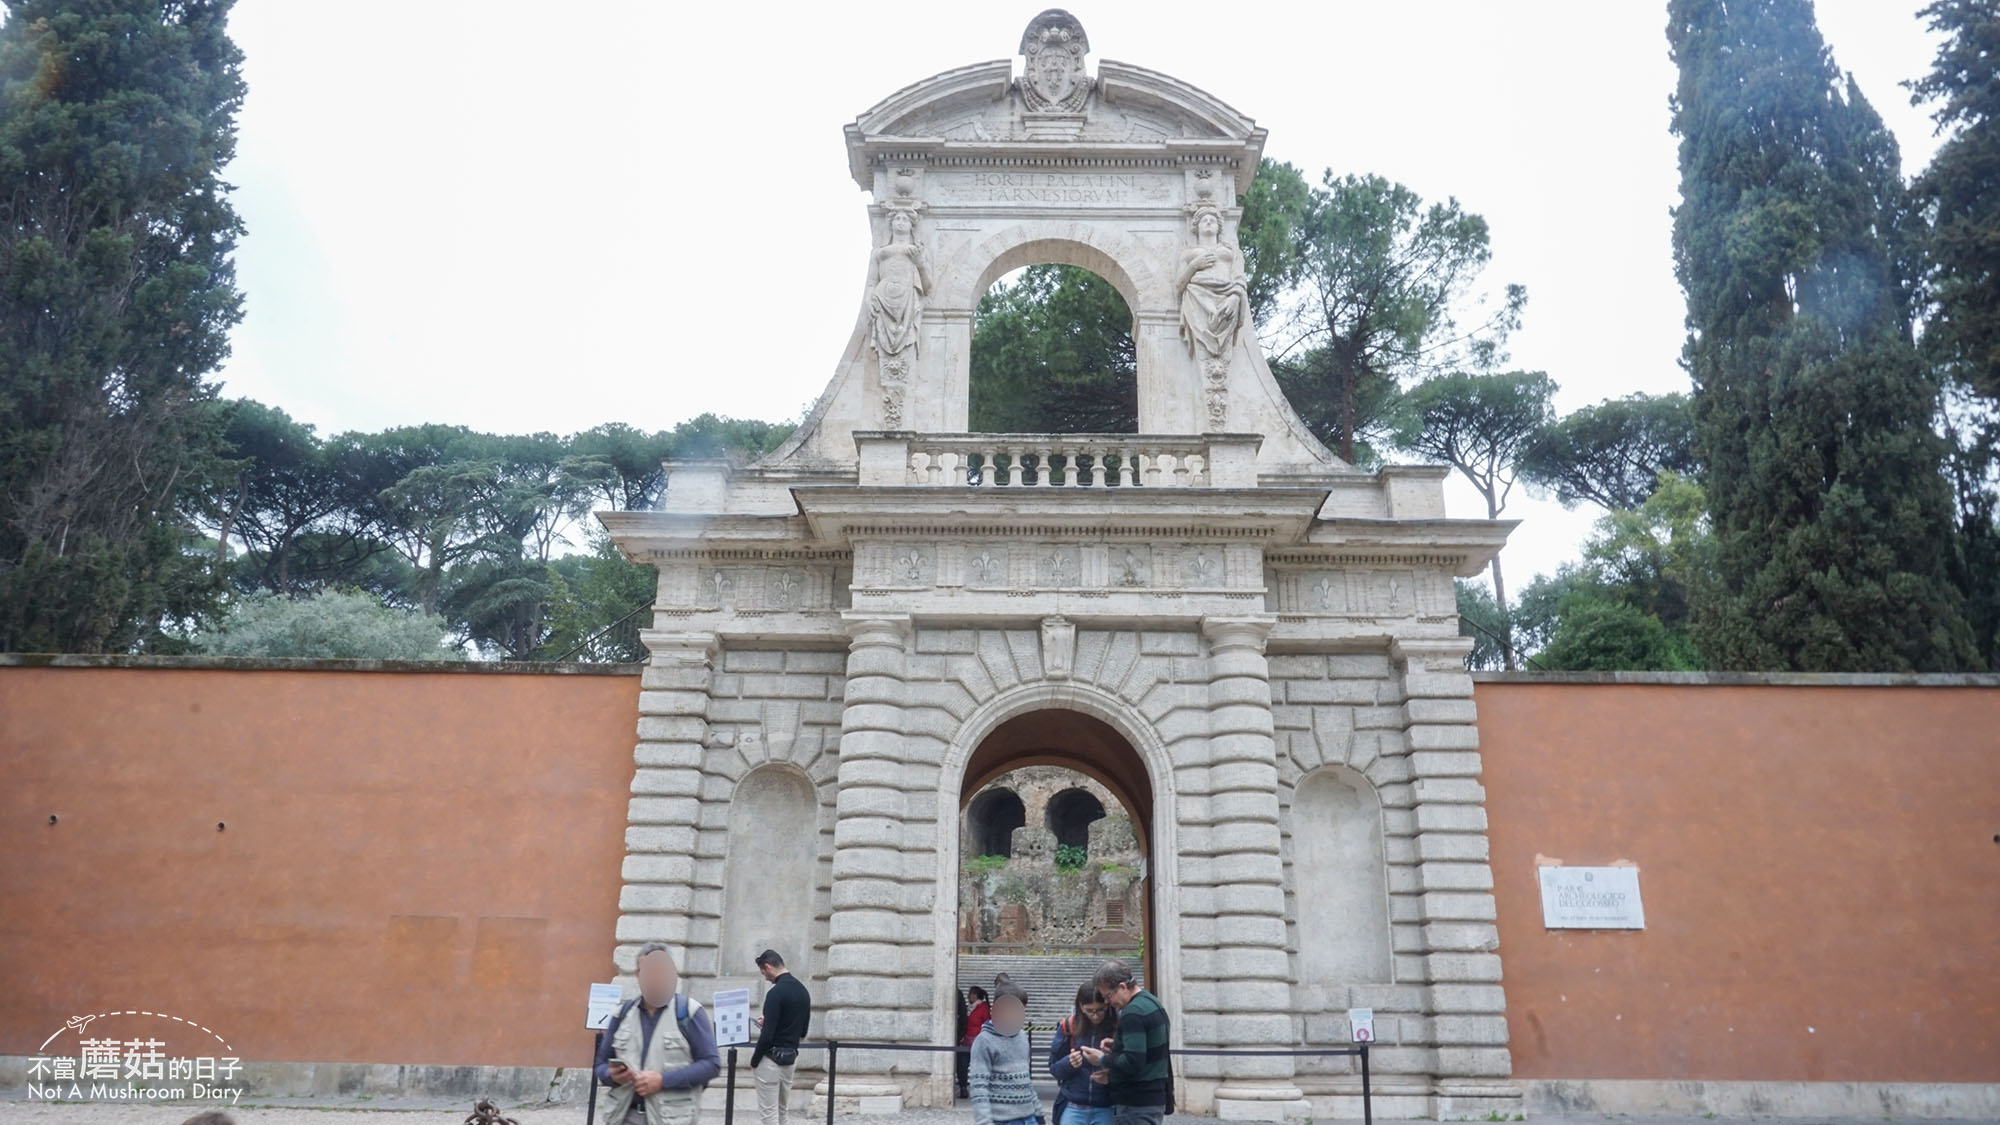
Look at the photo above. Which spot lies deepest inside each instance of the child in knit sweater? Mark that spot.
(1003, 1081)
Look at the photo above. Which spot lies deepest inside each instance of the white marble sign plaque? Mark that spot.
(1591, 898)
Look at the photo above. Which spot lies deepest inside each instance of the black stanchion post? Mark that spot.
(729, 1092)
(832, 1068)
(596, 1045)
(1367, 1092)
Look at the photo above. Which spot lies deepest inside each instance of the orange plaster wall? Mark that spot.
(416, 868)
(1818, 867)
(424, 867)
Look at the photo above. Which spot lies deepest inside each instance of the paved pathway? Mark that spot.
(353, 1111)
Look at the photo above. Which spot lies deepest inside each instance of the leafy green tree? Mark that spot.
(1384, 293)
(1604, 634)
(598, 604)
(1813, 413)
(1052, 352)
(713, 435)
(633, 475)
(330, 625)
(1625, 604)
(1612, 454)
(446, 511)
(1274, 210)
(1479, 617)
(116, 298)
(283, 504)
(1479, 425)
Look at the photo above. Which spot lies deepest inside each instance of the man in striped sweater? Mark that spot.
(1137, 1059)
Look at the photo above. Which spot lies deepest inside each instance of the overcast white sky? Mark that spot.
(524, 217)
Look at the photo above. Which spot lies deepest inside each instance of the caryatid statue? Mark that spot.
(896, 303)
(1215, 305)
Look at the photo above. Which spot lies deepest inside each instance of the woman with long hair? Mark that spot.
(970, 1024)
(1082, 1098)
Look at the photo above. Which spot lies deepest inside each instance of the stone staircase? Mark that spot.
(1050, 980)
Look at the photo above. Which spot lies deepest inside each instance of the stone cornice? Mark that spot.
(647, 536)
(1463, 546)
(839, 515)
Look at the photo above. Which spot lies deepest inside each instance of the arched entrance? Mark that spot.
(1095, 734)
(1055, 736)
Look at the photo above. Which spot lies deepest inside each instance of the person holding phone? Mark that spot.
(655, 1075)
(1083, 1093)
(1138, 1058)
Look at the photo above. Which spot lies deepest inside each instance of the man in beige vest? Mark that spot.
(659, 1051)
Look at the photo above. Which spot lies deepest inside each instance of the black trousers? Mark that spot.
(964, 1072)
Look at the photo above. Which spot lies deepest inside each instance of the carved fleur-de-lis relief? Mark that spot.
(1323, 592)
(787, 587)
(1060, 567)
(1203, 568)
(1395, 594)
(913, 566)
(717, 588)
(987, 568)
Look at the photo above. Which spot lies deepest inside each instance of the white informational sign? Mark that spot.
(1591, 898)
(732, 1017)
(603, 1005)
(1362, 1021)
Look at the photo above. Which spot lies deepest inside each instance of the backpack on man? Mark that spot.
(683, 1018)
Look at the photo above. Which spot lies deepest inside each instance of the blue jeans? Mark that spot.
(1074, 1114)
(1139, 1114)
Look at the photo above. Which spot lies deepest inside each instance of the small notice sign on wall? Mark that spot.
(1592, 898)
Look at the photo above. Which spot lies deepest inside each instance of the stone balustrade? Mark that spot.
(1059, 460)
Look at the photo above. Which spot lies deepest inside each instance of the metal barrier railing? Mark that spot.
(832, 1047)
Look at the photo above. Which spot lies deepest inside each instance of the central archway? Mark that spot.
(1080, 728)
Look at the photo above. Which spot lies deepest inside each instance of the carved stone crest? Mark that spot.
(1054, 80)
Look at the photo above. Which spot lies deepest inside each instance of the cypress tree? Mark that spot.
(116, 298)
(1962, 190)
(1813, 411)
(1960, 195)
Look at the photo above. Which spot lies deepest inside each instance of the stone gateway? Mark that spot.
(1250, 644)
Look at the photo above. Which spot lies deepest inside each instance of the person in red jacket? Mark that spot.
(975, 1022)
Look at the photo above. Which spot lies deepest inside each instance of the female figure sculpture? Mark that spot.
(902, 278)
(1215, 299)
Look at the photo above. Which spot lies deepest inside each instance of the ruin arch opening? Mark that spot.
(991, 819)
(1071, 813)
